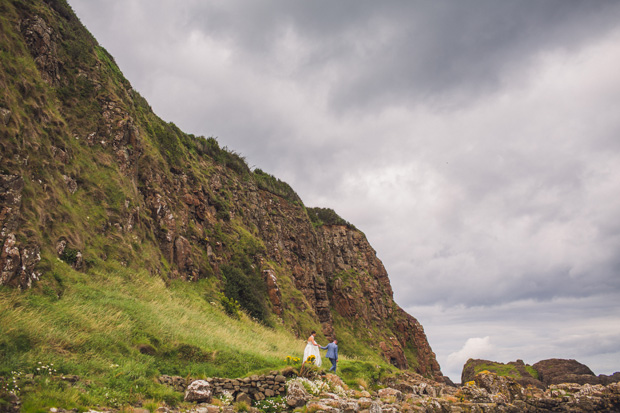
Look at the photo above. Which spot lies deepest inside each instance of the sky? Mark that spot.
(476, 143)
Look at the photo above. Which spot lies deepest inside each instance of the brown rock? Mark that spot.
(41, 41)
(554, 371)
(244, 397)
(182, 254)
(17, 264)
(393, 352)
(391, 395)
(296, 395)
(5, 116)
(273, 291)
(198, 391)
(507, 388)
(71, 183)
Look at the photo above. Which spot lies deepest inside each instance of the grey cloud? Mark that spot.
(404, 52)
(527, 330)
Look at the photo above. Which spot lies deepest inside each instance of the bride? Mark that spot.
(312, 349)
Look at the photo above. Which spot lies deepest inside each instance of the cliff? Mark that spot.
(90, 175)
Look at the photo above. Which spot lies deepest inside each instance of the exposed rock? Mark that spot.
(244, 397)
(182, 255)
(487, 392)
(296, 395)
(176, 382)
(394, 354)
(17, 264)
(391, 395)
(554, 371)
(508, 389)
(71, 183)
(516, 370)
(5, 116)
(11, 187)
(273, 291)
(41, 41)
(60, 155)
(198, 391)
(320, 406)
(605, 380)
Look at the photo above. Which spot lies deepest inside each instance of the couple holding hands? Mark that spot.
(312, 349)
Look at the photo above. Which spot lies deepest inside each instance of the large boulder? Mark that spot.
(390, 395)
(198, 391)
(296, 394)
(555, 371)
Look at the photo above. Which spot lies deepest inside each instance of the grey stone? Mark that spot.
(198, 391)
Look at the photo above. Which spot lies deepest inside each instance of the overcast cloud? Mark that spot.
(476, 143)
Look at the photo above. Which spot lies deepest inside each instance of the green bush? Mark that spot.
(245, 288)
(326, 216)
(272, 184)
(69, 255)
(230, 306)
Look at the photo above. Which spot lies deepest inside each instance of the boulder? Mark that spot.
(244, 397)
(296, 395)
(555, 371)
(198, 391)
(391, 395)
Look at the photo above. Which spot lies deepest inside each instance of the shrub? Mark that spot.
(246, 288)
(275, 186)
(242, 406)
(69, 255)
(230, 306)
(326, 216)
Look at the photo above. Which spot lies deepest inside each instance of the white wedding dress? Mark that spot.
(312, 350)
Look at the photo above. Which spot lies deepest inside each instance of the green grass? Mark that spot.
(505, 370)
(94, 324)
(97, 326)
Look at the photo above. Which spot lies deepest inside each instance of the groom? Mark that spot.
(332, 353)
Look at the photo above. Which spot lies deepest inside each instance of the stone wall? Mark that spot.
(256, 387)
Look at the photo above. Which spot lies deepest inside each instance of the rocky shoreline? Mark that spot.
(409, 392)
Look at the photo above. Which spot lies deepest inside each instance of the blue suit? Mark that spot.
(332, 355)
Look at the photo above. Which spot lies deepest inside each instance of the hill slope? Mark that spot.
(99, 194)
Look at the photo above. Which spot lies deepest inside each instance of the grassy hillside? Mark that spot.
(119, 330)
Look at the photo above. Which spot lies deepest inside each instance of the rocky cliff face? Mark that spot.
(90, 174)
